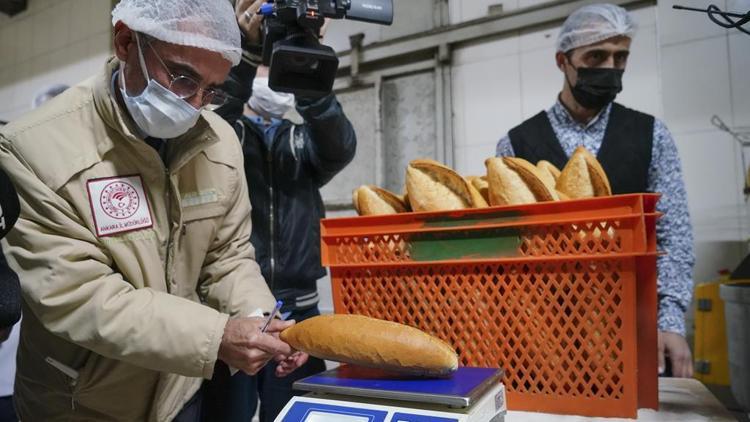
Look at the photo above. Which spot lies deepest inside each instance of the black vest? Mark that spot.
(625, 153)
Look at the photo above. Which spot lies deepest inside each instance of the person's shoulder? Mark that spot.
(58, 137)
(228, 149)
(635, 112)
(68, 108)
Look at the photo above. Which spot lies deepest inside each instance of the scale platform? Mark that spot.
(355, 394)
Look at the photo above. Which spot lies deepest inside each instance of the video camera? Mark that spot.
(298, 62)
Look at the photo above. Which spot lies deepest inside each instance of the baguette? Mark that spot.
(431, 186)
(374, 343)
(583, 177)
(481, 185)
(476, 196)
(514, 181)
(549, 173)
(372, 200)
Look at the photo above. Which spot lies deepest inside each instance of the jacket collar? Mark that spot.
(116, 117)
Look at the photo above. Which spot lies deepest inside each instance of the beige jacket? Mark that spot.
(122, 320)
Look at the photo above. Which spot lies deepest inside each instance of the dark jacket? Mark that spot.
(284, 182)
(10, 295)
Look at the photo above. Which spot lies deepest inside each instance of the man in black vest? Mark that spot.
(635, 149)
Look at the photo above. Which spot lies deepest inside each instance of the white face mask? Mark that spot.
(157, 111)
(267, 102)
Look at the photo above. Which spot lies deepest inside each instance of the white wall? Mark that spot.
(466, 10)
(53, 41)
(704, 72)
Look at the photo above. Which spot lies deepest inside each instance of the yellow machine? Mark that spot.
(711, 358)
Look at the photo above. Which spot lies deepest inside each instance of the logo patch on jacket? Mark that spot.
(119, 205)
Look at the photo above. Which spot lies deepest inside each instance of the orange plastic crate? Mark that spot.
(561, 295)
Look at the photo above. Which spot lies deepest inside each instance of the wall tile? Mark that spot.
(80, 19)
(695, 84)
(739, 60)
(641, 84)
(678, 26)
(60, 26)
(539, 38)
(100, 44)
(100, 13)
(8, 45)
(710, 159)
(24, 38)
(487, 99)
(470, 160)
(41, 37)
(474, 9)
(541, 81)
(487, 50)
(738, 6)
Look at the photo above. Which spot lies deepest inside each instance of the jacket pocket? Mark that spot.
(200, 225)
(202, 221)
(71, 375)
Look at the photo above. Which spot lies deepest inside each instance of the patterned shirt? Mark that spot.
(674, 233)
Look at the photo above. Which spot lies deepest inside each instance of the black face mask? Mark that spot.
(596, 87)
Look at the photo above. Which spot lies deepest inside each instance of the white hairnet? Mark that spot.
(208, 24)
(591, 24)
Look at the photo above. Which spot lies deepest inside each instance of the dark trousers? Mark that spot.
(7, 410)
(191, 412)
(235, 398)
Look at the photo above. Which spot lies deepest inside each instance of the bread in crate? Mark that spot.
(432, 186)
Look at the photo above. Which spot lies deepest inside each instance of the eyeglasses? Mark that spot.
(186, 87)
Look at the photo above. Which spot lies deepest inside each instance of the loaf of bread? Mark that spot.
(481, 185)
(431, 186)
(476, 196)
(372, 200)
(374, 343)
(514, 181)
(549, 173)
(583, 177)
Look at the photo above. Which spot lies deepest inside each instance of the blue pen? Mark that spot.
(276, 309)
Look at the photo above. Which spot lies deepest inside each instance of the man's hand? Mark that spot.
(288, 364)
(245, 347)
(676, 348)
(249, 20)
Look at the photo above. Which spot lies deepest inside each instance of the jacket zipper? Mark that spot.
(70, 373)
(168, 201)
(269, 158)
(271, 208)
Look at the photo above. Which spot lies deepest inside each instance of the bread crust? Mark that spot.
(374, 343)
(549, 173)
(372, 200)
(431, 186)
(583, 177)
(480, 184)
(514, 181)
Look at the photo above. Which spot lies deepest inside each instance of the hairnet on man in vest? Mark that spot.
(207, 24)
(591, 24)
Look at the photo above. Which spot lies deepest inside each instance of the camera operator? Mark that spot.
(285, 166)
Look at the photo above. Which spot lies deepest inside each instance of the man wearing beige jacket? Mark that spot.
(132, 246)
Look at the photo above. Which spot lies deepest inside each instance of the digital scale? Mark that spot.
(355, 394)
